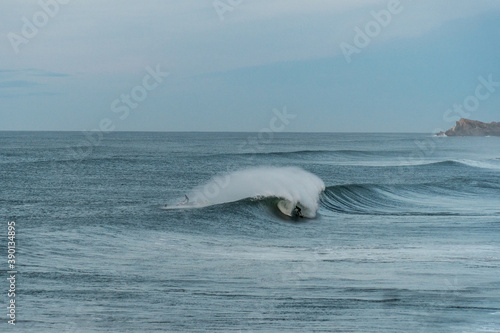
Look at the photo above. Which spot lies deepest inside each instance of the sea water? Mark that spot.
(401, 232)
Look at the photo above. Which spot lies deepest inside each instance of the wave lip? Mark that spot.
(292, 185)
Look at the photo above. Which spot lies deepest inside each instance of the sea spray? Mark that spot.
(295, 185)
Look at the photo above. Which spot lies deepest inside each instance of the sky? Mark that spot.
(235, 65)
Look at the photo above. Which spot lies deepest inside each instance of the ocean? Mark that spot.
(400, 232)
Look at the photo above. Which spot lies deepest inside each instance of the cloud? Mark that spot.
(18, 84)
(27, 82)
(30, 72)
(43, 73)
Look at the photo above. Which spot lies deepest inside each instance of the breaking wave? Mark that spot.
(286, 187)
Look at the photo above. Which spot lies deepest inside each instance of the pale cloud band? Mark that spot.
(172, 30)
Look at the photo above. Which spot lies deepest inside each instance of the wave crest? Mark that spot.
(293, 185)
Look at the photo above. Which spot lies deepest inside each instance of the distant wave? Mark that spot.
(320, 152)
(67, 160)
(382, 158)
(485, 164)
(286, 187)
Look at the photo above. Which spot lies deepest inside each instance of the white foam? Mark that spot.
(290, 183)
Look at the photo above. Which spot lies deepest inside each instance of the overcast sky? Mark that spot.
(71, 64)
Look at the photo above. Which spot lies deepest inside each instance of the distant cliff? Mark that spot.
(467, 127)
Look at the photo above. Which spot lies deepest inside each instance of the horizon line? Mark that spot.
(146, 131)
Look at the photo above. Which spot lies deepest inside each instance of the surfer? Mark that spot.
(298, 211)
(185, 202)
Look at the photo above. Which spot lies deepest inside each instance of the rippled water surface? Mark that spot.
(401, 232)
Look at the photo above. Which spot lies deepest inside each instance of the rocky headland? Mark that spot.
(467, 127)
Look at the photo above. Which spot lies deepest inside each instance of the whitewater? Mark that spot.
(291, 185)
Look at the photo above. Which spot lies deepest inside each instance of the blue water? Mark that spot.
(405, 237)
